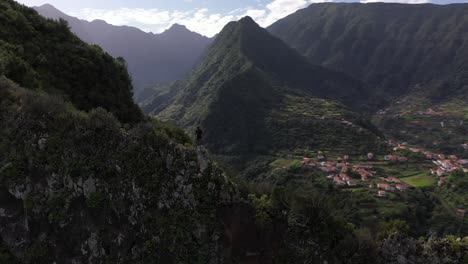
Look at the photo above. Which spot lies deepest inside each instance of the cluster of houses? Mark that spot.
(390, 184)
(445, 164)
(339, 173)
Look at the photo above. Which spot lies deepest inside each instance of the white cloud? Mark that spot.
(199, 20)
(202, 20)
(281, 8)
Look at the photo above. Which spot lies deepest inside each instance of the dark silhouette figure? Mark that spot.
(198, 135)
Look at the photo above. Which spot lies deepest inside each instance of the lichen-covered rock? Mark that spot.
(97, 192)
(399, 249)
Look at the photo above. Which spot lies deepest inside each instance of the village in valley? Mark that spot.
(344, 172)
(399, 180)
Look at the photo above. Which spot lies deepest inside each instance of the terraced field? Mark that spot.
(435, 126)
(420, 180)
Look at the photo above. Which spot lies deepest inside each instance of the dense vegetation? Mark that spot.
(452, 196)
(153, 97)
(363, 227)
(393, 47)
(425, 209)
(255, 96)
(44, 55)
(146, 192)
(413, 55)
(441, 126)
(78, 186)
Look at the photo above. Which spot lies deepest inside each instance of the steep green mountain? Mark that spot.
(414, 56)
(44, 55)
(252, 94)
(146, 96)
(393, 47)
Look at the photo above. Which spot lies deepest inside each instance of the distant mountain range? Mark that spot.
(253, 94)
(151, 58)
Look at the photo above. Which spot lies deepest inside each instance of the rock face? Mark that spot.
(398, 249)
(79, 188)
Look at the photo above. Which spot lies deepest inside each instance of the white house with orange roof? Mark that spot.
(447, 164)
(439, 172)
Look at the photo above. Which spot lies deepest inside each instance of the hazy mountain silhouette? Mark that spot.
(152, 58)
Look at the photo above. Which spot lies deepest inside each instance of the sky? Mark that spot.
(206, 17)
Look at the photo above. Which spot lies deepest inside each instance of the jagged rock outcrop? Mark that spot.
(79, 187)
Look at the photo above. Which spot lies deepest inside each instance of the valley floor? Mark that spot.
(402, 184)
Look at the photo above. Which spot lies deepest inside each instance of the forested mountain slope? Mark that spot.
(392, 47)
(44, 55)
(413, 56)
(78, 185)
(253, 94)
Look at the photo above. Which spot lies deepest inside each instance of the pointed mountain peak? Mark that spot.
(48, 6)
(243, 22)
(177, 30)
(251, 38)
(178, 27)
(50, 11)
(247, 20)
(100, 22)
